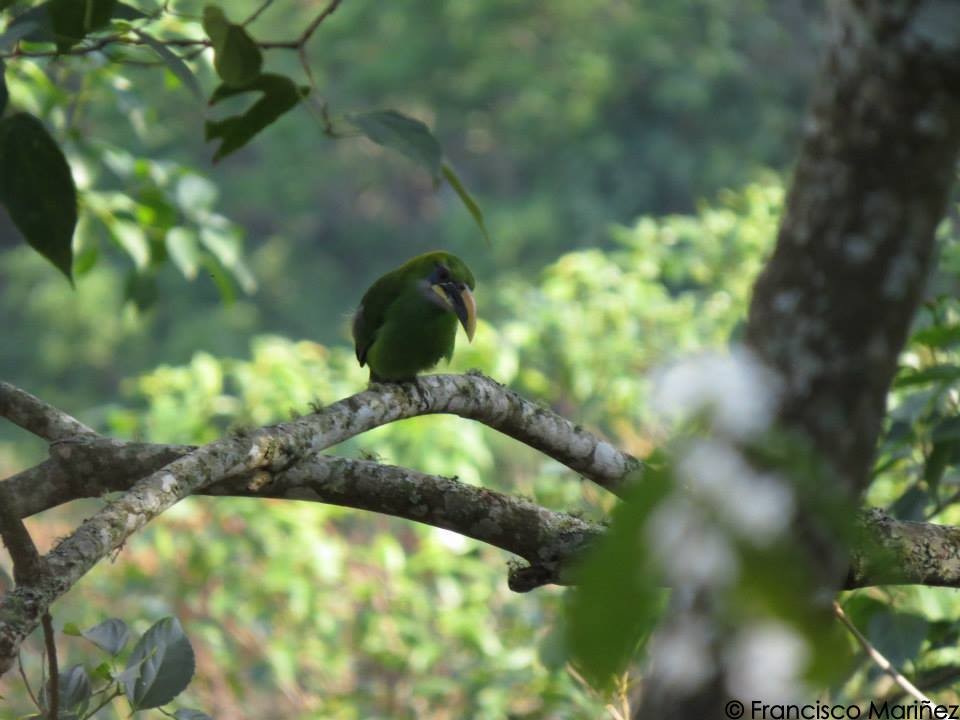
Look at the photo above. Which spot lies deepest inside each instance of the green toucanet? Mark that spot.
(407, 320)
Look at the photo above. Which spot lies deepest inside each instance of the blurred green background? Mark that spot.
(628, 157)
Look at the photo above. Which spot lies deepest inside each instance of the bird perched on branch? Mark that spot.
(407, 320)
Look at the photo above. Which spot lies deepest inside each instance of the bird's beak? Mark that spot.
(460, 300)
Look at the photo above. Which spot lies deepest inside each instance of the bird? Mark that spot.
(407, 320)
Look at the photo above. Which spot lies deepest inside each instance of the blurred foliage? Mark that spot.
(333, 613)
(212, 299)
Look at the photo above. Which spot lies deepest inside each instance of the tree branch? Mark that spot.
(200, 43)
(36, 416)
(275, 449)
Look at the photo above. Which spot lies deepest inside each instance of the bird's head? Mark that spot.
(447, 282)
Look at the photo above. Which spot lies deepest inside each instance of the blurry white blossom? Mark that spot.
(757, 506)
(681, 654)
(738, 391)
(766, 661)
(690, 550)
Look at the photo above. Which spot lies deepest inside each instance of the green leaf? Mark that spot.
(166, 664)
(75, 690)
(189, 714)
(937, 336)
(85, 260)
(66, 22)
(122, 11)
(280, 94)
(898, 636)
(18, 29)
(183, 248)
(110, 635)
(947, 429)
(934, 373)
(466, 199)
(612, 612)
(131, 237)
(72, 629)
(236, 56)
(103, 671)
(174, 63)
(404, 134)
(37, 188)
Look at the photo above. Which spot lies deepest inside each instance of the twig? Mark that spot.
(609, 707)
(26, 682)
(257, 12)
(199, 43)
(53, 684)
(117, 692)
(879, 659)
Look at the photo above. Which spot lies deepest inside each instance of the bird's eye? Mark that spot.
(442, 273)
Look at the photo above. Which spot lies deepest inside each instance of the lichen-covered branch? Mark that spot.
(547, 540)
(898, 552)
(889, 551)
(275, 449)
(472, 396)
(36, 416)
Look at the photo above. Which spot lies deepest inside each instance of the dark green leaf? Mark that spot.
(189, 714)
(4, 95)
(110, 635)
(85, 260)
(74, 689)
(166, 664)
(23, 27)
(4, 4)
(66, 22)
(898, 636)
(122, 11)
(938, 336)
(947, 429)
(236, 56)
(404, 134)
(37, 188)
(280, 94)
(183, 248)
(466, 199)
(174, 63)
(935, 373)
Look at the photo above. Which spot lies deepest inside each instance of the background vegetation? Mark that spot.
(628, 158)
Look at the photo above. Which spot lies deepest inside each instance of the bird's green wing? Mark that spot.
(372, 312)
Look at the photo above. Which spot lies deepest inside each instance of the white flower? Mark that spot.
(739, 392)
(757, 506)
(690, 550)
(766, 662)
(681, 655)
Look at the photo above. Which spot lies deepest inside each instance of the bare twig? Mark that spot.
(26, 682)
(53, 684)
(878, 658)
(256, 13)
